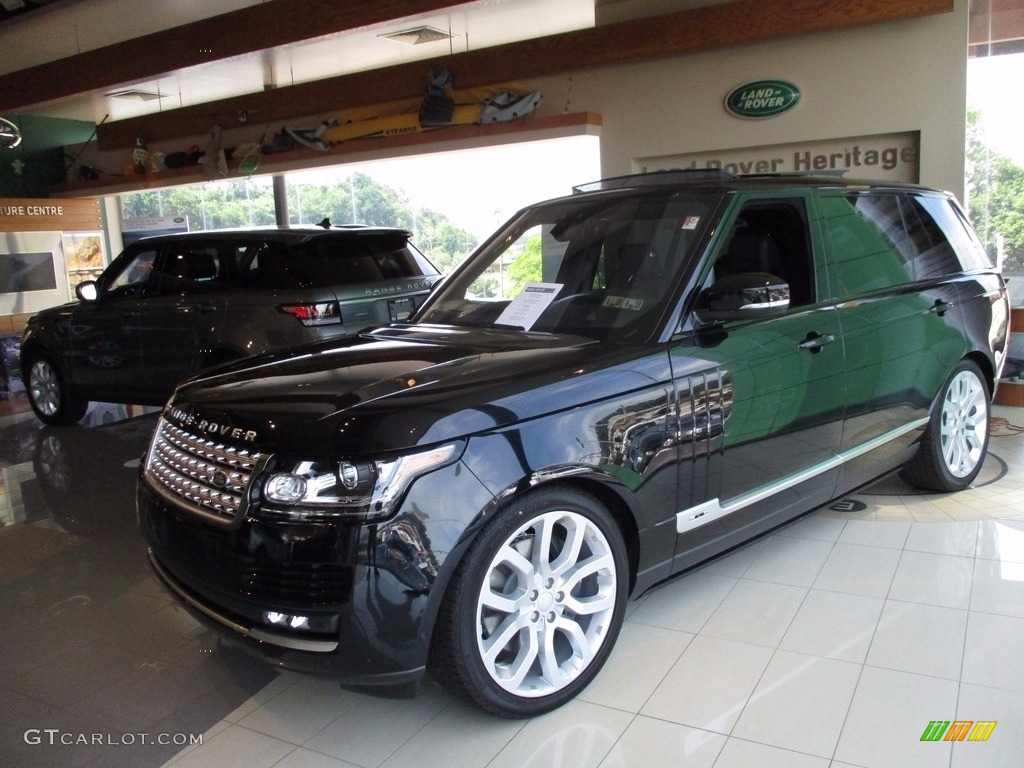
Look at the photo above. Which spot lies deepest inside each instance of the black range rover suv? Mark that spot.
(615, 387)
(172, 305)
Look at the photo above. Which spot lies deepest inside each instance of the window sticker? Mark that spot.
(531, 302)
(621, 302)
(691, 222)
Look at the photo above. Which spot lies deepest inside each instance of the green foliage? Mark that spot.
(526, 268)
(358, 199)
(995, 195)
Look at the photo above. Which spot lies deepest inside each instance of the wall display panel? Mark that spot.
(885, 157)
(32, 272)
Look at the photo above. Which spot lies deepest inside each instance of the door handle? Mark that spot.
(186, 308)
(815, 341)
(940, 307)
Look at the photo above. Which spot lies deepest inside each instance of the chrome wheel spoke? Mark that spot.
(546, 604)
(964, 424)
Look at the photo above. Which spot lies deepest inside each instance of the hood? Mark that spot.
(408, 386)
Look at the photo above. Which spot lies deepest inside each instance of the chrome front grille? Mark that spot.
(212, 478)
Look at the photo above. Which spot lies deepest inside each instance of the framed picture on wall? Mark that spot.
(84, 257)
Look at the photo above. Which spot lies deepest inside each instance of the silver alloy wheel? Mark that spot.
(546, 604)
(964, 425)
(44, 387)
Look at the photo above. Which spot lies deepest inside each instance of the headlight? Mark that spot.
(362, 491)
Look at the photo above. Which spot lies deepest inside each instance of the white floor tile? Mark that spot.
(369, 733)
(461, 736)
(684, 604)
(756, 612)
(709, 685)
(817, 526)
(1002, 540)
(994, 651)
(959, 539)
(236, 747)
(1005, 744)
(789, 560)
(800, 703)
(656, 744)
(998, 587)
(834, 625)
(892, 535)
(923, 639)
(643, 656)
(943, 580)
(745, 754)
(859, 570)
(578, 735)
(889, 713)
(302, 711)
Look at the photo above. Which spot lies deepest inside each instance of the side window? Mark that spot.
(961, 235)
(772, 236)
(189, 268)
(868, 247)
(136, 277)
(934, 256)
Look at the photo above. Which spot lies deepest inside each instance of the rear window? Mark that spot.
(330, 261)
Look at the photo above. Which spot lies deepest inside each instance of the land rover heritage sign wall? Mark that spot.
(889, 157)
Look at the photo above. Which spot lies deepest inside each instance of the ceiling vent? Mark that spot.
(135, 94)
(418, 35)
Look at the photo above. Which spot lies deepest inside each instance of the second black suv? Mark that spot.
(170, 306)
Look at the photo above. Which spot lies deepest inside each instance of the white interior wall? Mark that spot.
(877, 79)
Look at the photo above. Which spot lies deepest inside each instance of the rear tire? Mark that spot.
(535, 606)
(955, 443)
(49, 394)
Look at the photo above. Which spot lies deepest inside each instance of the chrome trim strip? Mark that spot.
(711, 510)
(315, 646)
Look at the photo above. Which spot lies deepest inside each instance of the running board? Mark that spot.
(709, 511)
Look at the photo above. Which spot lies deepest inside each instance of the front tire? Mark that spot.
(49, 394)
(535, 606)
(955, 443)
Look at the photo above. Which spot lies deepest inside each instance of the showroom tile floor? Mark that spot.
(835, 641)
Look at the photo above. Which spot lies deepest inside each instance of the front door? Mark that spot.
(774, 393)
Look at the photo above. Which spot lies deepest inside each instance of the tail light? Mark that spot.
(321, 313)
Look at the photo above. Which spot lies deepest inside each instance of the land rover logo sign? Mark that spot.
(763, 98)
(10, 134)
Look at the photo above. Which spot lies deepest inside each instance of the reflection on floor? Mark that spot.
(836, 641)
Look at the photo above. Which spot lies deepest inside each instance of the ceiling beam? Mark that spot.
(246, 31)
(698, 29)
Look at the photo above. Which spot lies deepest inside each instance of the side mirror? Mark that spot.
(86, 291)
(749, 296)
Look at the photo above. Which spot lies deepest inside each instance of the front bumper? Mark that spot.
(363, 591)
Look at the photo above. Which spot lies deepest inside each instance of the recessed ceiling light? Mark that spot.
(418, 35)
(134, 93)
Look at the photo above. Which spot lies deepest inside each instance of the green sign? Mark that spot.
(763, 98)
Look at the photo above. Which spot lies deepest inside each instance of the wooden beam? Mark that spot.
(996, 21)
(699, 29)
(249, 30)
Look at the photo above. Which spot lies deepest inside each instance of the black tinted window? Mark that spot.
(867, 243)
(950, 218)
(328, 261)
(934, 256)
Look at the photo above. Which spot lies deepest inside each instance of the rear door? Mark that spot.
(901, 320)
(179, 321)
(773, 401)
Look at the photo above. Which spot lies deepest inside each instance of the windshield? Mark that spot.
(605, 268)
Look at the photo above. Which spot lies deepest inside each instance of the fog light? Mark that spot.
(286, 620)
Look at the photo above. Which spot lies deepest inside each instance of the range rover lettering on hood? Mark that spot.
(207, 427)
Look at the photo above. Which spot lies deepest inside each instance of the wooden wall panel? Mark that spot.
(18, 214)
